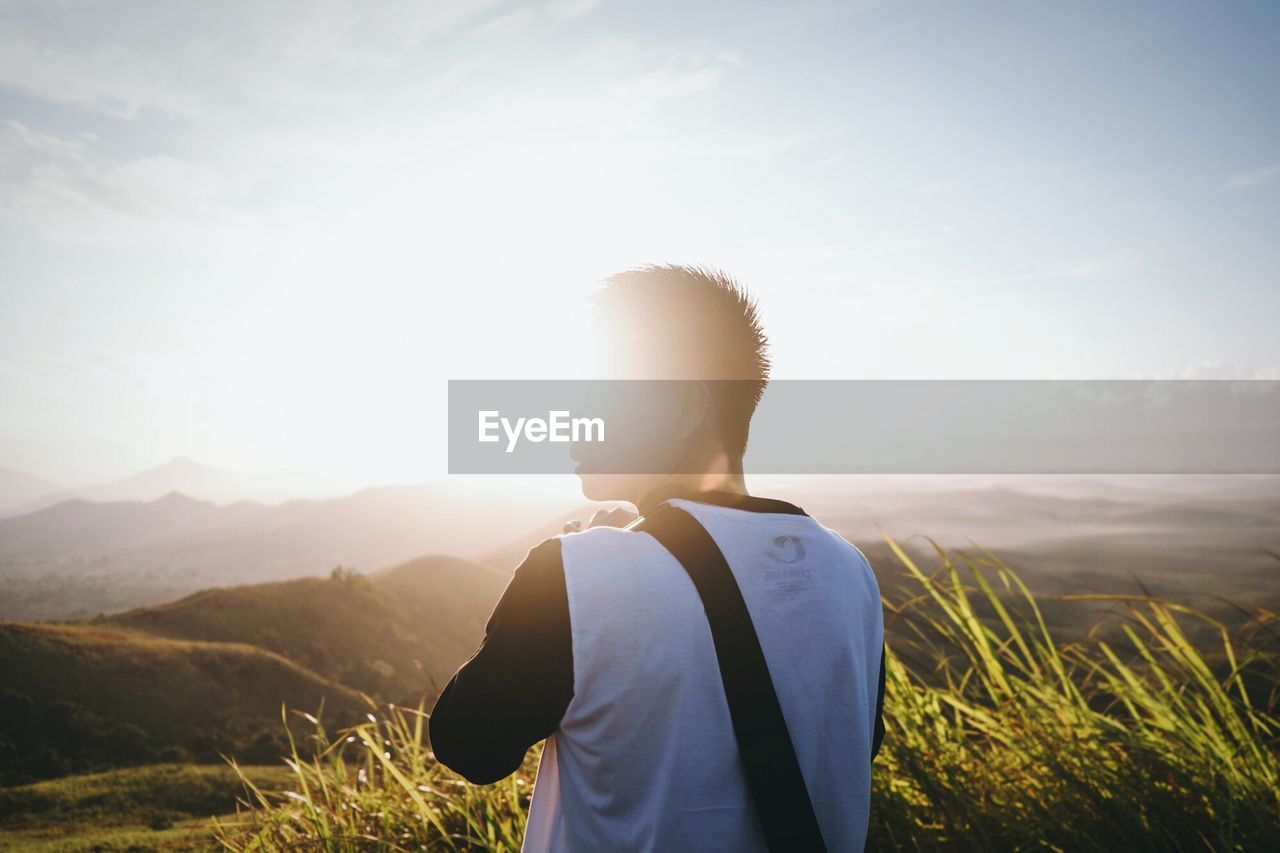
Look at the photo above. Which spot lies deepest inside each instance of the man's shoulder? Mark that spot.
(547, 557)
(851, 554)
(542, 559)
(607, 551)
(601, 540)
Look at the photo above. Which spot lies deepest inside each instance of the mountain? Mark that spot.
(80, 527)
(21, 493)
(200, 481)
(80, 558)
(18, 490)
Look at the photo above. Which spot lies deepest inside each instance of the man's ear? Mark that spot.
(695, 405)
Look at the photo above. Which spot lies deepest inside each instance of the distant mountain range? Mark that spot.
(79, 558)
(22, 493)
(19, 490)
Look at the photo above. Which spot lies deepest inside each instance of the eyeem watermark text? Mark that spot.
(892, 427)
(559, 426)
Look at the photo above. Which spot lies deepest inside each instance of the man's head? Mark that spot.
(698, 328)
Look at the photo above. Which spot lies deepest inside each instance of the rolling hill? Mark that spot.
(391, 634)
(207, 674)
(79, 697)
(157, 682)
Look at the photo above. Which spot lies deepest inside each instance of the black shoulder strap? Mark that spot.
(768, 757)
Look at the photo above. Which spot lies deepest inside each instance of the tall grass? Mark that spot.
(998, 738)
(377, 786)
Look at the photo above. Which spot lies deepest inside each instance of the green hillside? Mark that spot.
(449, 600)
(206, 675)
(164, 807)
(78, 697)
(392, 634)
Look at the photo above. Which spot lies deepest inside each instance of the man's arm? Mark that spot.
(513, 691)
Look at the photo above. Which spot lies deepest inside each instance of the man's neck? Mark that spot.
(732, 482)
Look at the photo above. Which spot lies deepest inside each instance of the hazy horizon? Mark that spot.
(282, 485)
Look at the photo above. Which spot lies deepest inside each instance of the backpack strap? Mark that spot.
(768, 757)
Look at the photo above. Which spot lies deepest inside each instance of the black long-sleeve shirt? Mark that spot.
(514, 690)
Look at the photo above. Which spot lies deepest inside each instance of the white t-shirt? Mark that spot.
(644, 757)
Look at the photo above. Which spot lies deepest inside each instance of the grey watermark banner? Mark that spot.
(881, 426)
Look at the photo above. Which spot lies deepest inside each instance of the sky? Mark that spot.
(266, 235)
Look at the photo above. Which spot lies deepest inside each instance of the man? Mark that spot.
(601, 645)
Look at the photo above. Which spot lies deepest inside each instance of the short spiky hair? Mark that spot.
(695, 322)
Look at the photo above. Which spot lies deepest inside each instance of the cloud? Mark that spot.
(1252, 178)
(1224, 370)
(645, 76)
(757, 146)
(64, 189)
(664, 84)
(111, 80)
(571, 8)
(189, 62)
